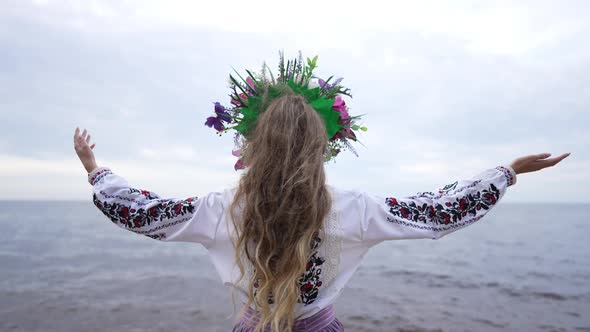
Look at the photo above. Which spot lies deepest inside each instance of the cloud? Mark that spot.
(447, 88)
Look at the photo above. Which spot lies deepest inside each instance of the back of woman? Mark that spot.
(285, 241)
(298, 241)
(279, 207)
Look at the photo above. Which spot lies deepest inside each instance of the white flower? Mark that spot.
(313, 83)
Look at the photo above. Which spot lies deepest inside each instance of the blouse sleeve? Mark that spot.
(192, 219)
(433, 215)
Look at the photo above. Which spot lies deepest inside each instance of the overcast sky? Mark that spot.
(449, 88)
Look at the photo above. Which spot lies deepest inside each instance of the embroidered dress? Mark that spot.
(358, 221)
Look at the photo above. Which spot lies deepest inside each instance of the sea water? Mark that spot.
(523, 267)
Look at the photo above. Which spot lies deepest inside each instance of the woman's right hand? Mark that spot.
(535, 162)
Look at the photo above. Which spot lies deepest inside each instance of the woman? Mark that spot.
(298, 239)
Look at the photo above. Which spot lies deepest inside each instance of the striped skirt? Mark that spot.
(323, 321)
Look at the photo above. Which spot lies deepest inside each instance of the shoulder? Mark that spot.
(345, 197)
(340, 191)
(215, 201)
(222, 197)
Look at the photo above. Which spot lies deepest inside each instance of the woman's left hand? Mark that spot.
(84, 150)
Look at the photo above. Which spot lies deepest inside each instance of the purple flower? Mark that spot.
(326, 86)
(323, 84)
(217, 121)
(222, 112)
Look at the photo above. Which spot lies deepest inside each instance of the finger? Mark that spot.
(88, 139)
(532, 158)
(551, 162)
(82, 137)
(92, 146)
(562, 157)
(541, 156)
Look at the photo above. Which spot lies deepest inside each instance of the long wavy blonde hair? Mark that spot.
(286, 201)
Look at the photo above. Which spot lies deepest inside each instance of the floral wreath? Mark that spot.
(323, 96)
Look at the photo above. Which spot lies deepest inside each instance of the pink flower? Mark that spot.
(239, 164)
(350, 134)
(244, 98)
(250, 82)
(236, 153)
(345, 133)
(241, 102)
(340, 107)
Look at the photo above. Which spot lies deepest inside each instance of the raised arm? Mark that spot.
(448, 209)
(191, 219)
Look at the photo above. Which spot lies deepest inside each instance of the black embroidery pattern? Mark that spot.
(432, 228)
(444, 193)
(134, 218)
(442, 215)
(448, 187)
(509, 175)
(444, 190)
(158, 236)
(146, 193)
(179, 221)
(309, 282)
(140, 201)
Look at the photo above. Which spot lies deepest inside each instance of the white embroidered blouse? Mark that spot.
(357, 222)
